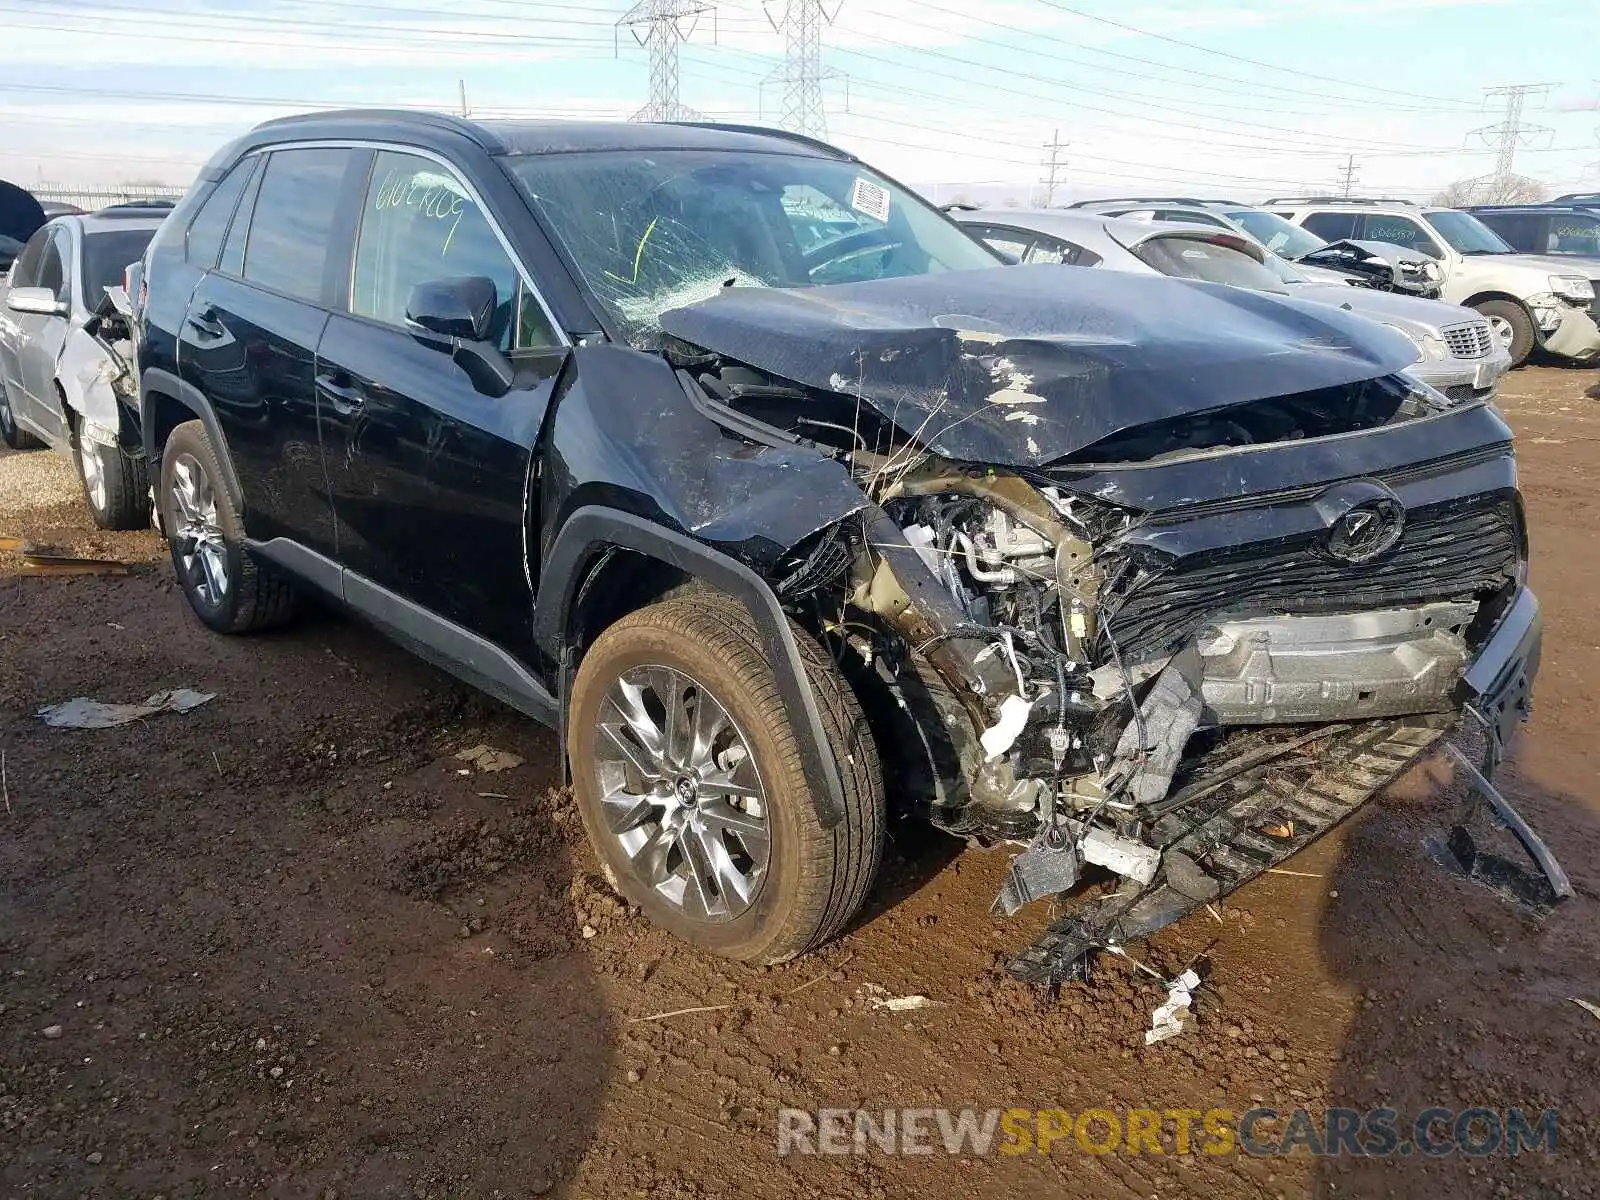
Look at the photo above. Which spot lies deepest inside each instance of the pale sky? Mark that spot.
(1241, 98)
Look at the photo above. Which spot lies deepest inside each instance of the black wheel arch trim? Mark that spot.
(156, 381)
(593, 530)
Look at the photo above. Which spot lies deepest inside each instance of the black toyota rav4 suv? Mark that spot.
(794, 510)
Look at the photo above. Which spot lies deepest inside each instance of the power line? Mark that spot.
(663, 21)
(802, 73)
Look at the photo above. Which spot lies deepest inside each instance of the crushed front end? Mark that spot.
(1168, 646)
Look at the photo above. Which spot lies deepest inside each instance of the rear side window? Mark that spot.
(210, 224)
(293, 221)
(1331, 227)
(419, 223)
(1574, 235)
(1059, 250)
(1400, 231)
(1010, 242)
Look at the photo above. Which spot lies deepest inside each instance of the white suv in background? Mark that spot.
(1530, 300)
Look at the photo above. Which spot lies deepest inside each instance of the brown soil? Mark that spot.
(294, 949)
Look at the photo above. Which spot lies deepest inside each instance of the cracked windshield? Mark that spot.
(652, 233)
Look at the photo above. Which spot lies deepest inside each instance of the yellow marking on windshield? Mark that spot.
(638, 255)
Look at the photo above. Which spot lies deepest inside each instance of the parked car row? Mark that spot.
(795, 508)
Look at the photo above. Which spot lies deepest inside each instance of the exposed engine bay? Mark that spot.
(1115, 659)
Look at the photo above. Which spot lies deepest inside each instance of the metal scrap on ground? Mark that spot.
(83, 713)
(46, 560)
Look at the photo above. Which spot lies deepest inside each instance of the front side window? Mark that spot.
(25, 271)
(652, 231)
(293, 221)
(210, 224)
(418, 224)
(1466, 234)
(52, 270)
(1400, 231)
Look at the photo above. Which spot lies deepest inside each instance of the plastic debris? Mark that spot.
(487, 758)
(878, 996)
(998, 738)
(1168, 1019)
(1592, 1009)
(83, 713)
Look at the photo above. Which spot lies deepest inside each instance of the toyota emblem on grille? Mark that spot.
(1367, 530)
(1363, 518)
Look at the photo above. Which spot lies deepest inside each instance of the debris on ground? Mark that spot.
(1588, 1006)
(486, 758)
(83, 713)
(47, 560)
(878, 996)
(1169, 1017)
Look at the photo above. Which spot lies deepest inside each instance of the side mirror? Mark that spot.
(461, 312)
(37, 300)
(460, 308)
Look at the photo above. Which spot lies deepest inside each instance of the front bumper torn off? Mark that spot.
(1265, 793)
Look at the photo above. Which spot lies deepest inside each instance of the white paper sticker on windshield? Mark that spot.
(870, 198)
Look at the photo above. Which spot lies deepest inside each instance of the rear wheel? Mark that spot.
(115, 483)
(689, 778)
(1511, 326)
(11, 433)
(228, 590)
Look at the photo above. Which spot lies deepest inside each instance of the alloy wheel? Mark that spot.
(197, 535)
(681, 794)
(1504, 333)
(94, 472)
(8, 423)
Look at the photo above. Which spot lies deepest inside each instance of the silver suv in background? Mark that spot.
(1370, 263)
(1530, 300)
(1456, 352)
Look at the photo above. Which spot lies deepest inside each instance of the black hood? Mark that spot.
(20, 214)
(1019, 366)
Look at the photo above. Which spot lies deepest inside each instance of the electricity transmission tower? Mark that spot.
(802, 73)
(1051, 165)
(1510, 133)
(667, 24)
(1348, 177)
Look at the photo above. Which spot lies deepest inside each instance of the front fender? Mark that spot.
(591, 530)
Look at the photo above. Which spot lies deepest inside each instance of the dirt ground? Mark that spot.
(289, 945)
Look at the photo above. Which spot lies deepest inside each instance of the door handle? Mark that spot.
(205, 321)
(345, 397)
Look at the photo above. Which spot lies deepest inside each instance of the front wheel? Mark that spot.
(115, 483)
(228, 590)
(1511, 326)
(689, 779)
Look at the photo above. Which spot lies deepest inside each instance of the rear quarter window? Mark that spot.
(210, 224)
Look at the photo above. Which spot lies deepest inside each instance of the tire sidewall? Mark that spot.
(1523, 338)
(763, 923)
(101, 516)
(191, 439)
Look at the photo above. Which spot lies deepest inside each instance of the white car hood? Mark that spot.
(1396, 309)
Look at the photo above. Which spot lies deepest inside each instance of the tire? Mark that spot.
(115, 484)
(813, 879)
(1508, 319)
(228, 590)
(11, 433)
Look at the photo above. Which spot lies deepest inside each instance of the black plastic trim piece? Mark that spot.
(591, 530)
(451, 647)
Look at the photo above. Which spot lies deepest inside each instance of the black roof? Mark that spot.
(436, 129)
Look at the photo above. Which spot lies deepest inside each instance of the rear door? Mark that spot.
(429, 477)
(249, 339)
(23, 274)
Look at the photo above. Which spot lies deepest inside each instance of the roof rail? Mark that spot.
(428, 118)
(800, 139)
(1581, 197)
(1191, 201)
(1341, 200)
(960, 206)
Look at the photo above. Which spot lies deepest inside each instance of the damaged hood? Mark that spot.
(1019, 366)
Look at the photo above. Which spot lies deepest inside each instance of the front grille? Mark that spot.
(1446, 551)
(1471, 340)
